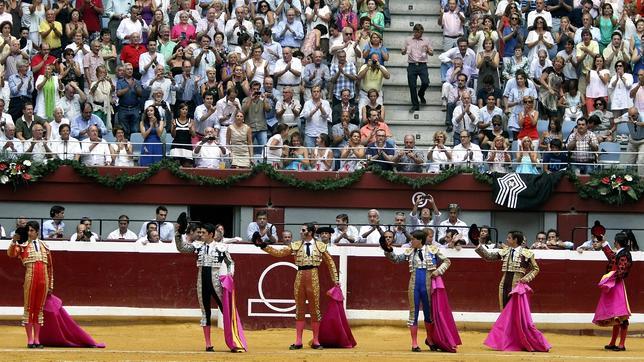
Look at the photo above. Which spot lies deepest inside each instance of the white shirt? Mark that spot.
(373, 238)
(232, 30)
(351, 231)
(202, 26)
(468, 123)
(166, 233)
(195, 14)
(459, 226)
(17, 145)
(211, 121)
(99, 156)
(116, 234)
(207, 61)
(66, 150)
(6, 118)
(38, 152)
(128, 27)
(210, 155)
(92, 239)
(461, 154)
(288, 116)
(55, 135)
(289, 78)
(79, 54)
(316, 122)
(144, 60)
(71, 107)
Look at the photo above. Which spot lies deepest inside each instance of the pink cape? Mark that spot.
(613, 303)
(334, 327)
(514, 329)
(444, 334)
(233, 330)
(60, 330)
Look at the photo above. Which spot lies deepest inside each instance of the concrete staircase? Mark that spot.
(430, 118)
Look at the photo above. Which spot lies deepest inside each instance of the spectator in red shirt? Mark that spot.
(40, 61)
(132, 51)
(91, 11)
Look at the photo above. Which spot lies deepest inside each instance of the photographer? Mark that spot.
(204, 57)
(83, 234)
(254, 108)
(409, 159)
(371, 76)
(208, 153)
(237, 26)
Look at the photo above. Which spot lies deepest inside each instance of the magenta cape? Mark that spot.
(514, 329)
(60, 330)
(444, 334)
(334, 327)
(613, 302)
(233, 330)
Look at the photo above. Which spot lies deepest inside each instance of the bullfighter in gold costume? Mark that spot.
(308, 254)
(39, 278)
(518, 263)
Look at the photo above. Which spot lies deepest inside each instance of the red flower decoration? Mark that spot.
(625, 188)
(605, 180)
(619, 180)
(26, 176)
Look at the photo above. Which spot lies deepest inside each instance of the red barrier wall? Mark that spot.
(167, 280)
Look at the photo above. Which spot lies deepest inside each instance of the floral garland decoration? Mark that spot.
(16, 172)
(612, 186)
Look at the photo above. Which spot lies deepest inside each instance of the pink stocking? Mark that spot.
(414, 335)
(613, 338)
(206, 335)
(30, 336)
(316, 331)
(622, 334)
(36, 333)
(299, 330)
(429, 327)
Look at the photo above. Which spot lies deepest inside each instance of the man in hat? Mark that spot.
(453, 223)
(325, 234)
(308, 254)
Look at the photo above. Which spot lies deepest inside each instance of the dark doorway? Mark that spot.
(214, 214)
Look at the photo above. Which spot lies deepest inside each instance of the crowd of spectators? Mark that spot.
(299, 84)
(573, 65)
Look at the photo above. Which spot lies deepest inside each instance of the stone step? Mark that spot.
(399, 94)
(407, 21)
(400, 114)
(422, 7)
(399, 76)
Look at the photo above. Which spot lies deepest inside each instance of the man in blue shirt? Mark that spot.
(81, 124)
(129, 91)
(289, 32)
(380, 153)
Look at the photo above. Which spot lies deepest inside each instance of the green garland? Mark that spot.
(596, 188)
(612, 186)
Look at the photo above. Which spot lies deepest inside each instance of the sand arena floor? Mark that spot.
(183, 341)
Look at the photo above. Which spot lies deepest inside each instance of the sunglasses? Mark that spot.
(528, 101)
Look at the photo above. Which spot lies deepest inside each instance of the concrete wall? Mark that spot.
(73, 212)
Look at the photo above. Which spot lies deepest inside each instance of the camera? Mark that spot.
(87, 233)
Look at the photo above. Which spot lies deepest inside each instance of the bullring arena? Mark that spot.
(161, 322)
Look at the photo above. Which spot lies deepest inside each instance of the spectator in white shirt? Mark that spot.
(266, 230)
(96, 151)
(83, 234)
(343, 232)
(10, 144)
(370, 234)
(454, 223)
(317, 115)
(467, 153)
(66, 147)
(208, 153)
(123, 232)
(133, 24)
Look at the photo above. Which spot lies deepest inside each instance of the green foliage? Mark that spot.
(611, 186)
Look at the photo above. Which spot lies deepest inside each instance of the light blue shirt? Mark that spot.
(16, 89)
(80, 124)
(291, 38)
